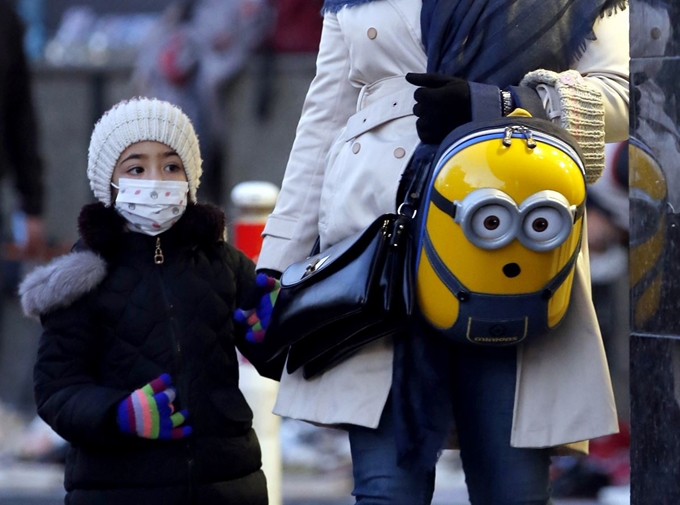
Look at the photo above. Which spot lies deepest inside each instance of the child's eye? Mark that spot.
(135, 170)
(172, 167)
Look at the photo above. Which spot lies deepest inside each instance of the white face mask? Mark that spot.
(150, 206)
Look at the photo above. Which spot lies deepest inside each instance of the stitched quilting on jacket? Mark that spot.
(114, 320)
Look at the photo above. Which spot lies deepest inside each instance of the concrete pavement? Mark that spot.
(41, 484)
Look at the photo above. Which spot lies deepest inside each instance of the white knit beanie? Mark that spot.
(138, 120)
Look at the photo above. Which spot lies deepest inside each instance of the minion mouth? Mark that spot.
(512, 270)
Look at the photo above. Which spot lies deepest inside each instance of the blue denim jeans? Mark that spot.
(495, 473)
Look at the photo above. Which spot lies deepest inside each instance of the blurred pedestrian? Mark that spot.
(19, 159)
(197, 48)
(19, 149)
(137, 365)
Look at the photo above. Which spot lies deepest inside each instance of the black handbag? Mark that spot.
(342, 298)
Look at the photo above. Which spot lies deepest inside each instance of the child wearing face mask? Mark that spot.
(137, 365)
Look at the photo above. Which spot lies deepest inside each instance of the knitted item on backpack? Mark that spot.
(148, 412)
(256, 320)
(582, 113)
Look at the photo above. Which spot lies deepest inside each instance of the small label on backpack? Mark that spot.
(494, 332)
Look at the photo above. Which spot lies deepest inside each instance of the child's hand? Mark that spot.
(256, 320)
(148, 412)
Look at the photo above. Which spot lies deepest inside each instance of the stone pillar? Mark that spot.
(654, 156)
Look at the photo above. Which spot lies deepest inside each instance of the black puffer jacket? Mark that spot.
(126, 321)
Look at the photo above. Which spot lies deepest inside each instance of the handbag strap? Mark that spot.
(421, 165)
(316, 248)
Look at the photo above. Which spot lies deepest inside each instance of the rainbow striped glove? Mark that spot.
(148, 412)
(256, 320)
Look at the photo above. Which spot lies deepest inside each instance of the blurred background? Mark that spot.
(240, 69)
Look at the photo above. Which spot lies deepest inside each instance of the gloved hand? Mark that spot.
(256, 319)
(148, 412)
(443, 103)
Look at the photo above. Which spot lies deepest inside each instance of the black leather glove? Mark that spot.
(443, 103)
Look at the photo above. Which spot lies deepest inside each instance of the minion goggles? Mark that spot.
(490, 219)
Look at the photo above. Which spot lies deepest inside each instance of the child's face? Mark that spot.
(148, 160)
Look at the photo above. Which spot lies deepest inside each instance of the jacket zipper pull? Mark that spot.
(158, 257)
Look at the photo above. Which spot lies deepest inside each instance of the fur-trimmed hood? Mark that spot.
(66, 278)
(102, 228)
(61, 282)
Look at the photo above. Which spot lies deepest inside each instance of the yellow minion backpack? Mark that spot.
(499, 231)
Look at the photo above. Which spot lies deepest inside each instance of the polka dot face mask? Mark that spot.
(150, 206)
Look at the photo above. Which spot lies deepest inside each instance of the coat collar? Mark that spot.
(102, 229)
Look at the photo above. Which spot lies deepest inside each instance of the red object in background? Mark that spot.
(612, 454)
(253, 200)
(298, 26)
(248, 238)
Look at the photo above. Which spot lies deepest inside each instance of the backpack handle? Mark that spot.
(485, 102)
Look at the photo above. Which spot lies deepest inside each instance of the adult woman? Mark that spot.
(353, 142)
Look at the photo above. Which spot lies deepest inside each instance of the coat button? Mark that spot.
(656, 33)
(356, 147)
(399, 152)
(372, 33)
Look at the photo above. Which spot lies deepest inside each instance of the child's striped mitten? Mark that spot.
(256, 320)
(148, 412)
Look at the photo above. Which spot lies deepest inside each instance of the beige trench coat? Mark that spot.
(353, 141)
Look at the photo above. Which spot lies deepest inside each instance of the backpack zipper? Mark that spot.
(508, 133)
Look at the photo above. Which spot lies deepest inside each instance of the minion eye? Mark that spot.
(543, 224)
(491, 222)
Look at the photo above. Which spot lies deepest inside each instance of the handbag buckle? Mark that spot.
(314, 266)
(407, 209)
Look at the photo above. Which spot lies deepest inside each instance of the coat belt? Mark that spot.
(385, 101)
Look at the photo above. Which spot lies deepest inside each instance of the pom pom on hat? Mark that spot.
(138, 120)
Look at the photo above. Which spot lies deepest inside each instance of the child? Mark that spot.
(137, 365)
